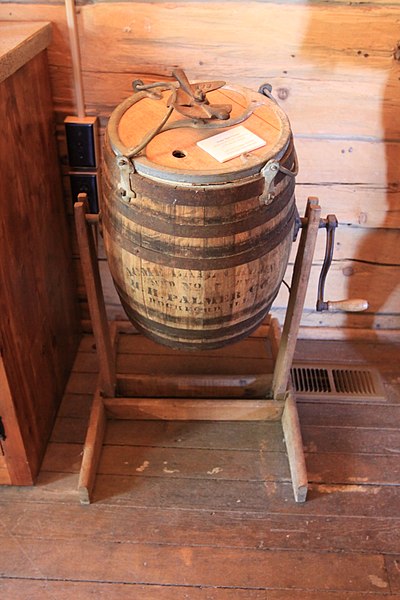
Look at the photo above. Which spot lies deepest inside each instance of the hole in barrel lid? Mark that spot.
(178, 153)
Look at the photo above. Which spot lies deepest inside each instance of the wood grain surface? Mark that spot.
(338, 84)
(39, 325)
(205, 510)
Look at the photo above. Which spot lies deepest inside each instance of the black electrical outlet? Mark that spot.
(81, 142)
(85, 183)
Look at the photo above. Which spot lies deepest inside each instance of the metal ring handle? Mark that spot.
(121, 150)
(266, 90)
(295, 167)
(118, 147)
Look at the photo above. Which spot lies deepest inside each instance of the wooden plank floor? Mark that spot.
(204, 511)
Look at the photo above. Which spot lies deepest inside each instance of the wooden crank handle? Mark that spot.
(349, 305)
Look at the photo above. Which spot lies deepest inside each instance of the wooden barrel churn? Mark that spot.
(197, 248)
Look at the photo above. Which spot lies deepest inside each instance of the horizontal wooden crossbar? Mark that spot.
(195, 386)
(194, 409)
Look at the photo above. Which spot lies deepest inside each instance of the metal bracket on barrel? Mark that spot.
(269, 172)
(266, 90)
(126, 169)
(330, 224)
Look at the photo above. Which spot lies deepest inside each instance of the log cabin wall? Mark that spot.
(335, 70)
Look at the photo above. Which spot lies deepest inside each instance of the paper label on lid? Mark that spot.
(231, 143)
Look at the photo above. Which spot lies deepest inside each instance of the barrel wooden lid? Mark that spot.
(174, 155)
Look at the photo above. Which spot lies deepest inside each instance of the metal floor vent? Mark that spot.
(335, 382)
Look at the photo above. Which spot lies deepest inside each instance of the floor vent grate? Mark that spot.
(337, 382)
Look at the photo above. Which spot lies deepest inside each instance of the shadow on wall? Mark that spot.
(391, 128)
(365, 52)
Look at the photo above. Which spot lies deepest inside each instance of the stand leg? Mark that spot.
(92, 448)
(301, 274)
(294, 447)
(96, 300)
(280, 385)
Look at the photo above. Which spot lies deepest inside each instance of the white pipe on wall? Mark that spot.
(76, 56)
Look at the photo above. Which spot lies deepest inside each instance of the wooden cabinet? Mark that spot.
(38, 316)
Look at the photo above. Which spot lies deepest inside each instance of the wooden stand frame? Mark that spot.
(108, 401)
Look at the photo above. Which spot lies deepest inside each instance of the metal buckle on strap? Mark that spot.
(269, 172)
(126, 168)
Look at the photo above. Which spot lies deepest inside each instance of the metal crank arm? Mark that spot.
(348, 305)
